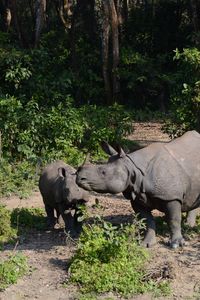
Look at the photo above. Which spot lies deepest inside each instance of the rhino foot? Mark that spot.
(149, 240)
(51, 223)
(177, 243)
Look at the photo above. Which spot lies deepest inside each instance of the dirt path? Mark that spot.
(48, 252)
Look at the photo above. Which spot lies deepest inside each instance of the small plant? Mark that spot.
(12, 269)
(109, 259)
(7, 232)
(29, 218)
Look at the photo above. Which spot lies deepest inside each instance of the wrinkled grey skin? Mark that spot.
(61, 193)
(163, 176)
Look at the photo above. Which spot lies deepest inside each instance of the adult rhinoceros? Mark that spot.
(163, 176)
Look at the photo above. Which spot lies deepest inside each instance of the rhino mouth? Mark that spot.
(84, 184)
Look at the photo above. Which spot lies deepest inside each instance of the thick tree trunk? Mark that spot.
(105, 52)
(40, 10)
(13, 6)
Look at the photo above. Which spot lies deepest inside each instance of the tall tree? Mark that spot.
(195, 6)
(64, 9)
(110, 49)
(40, 11)
(115, 47)
(105, 52)
(5, 12)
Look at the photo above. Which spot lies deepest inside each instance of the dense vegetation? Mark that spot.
(64, 65)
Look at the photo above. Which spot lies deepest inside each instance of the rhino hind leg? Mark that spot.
(173, 214)
(150, 235)
(191, 217)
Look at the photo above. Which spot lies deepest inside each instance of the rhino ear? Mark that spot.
(62, 172)
(120, 151)
(108, 148)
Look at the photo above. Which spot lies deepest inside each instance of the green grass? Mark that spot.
(12, 269)
(109, 259)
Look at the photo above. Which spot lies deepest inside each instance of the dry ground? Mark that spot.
(48, 252)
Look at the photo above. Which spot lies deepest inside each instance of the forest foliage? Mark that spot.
(73, 73)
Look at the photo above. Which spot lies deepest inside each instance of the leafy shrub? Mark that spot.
(17, 178)
(185, 100)
(61, 131)
(105, 123)
(12, 269)
(7, 232)
(109, 259)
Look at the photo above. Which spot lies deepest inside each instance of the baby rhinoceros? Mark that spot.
(60, 193)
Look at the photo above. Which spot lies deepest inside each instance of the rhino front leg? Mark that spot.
(150, 235)
(51, 220)
(77, 222)
(173, 214)
(68, 219)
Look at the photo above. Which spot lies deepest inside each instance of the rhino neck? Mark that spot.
(136, 175)
(135, 165)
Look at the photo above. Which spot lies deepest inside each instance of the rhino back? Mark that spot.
(143, 156)
(175, 171)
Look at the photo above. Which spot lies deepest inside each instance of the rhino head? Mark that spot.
(71, 193)
(112, 177)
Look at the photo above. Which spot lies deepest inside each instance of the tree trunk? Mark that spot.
(40, 10)
(6, 15)
(105, 52)
(63, 8)
(196, 20)
(115, 49)
(13, 7)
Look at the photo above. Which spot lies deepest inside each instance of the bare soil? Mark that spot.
(49, 252)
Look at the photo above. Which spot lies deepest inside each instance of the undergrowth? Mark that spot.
(7, 232)
(12, 269)
(17, 178)
(109, 259)
(14, 222)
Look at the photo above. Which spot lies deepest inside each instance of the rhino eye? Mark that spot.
(103, 172)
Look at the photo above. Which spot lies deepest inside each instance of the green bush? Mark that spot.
(61, 131)
(12, 269)
(109, 259)
(7, 232)
(18, 178)
(185, 99)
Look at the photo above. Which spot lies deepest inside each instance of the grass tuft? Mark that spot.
(12, 269)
